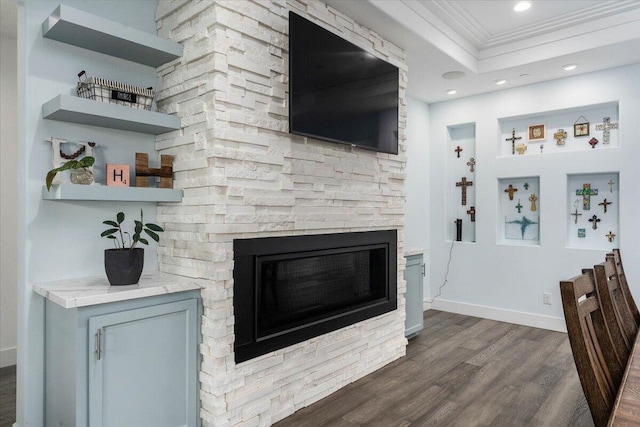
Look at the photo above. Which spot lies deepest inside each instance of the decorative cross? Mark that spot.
(464, 184)
(519, 206)
(458, 150)
(471, 163)
(524, 223)
(576, 214)
(521, 148)
(513, 141)
(594, 222)
(541, 147)
(472, 212)
(610, 185)
(593, 141)
(605, 127)
(610, 236)
(526, 185)
(510, 190)
(143, 171)
(586, 194)
(605, 203)
(532, 199)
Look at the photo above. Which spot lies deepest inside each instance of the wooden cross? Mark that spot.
(593, 141)
(513, 141)
(143, 171)
(464, 184)
(605, 127)
(586, 194)
(471, 163)
(605, 203)
(576, 214)
(519, 206)
(532, 199)
(511, 190)
(594, 222)
(610, 236)
(458, 150)
(521, 148)
(610, 185)
(472, 212)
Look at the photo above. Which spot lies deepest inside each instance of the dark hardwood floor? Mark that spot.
(7, 396)
(463, 371)
(460, 371)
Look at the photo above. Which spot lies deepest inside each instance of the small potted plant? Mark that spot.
(79, 172)
(124, 263)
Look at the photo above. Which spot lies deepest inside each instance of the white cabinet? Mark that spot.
(413, 274)
(127, 363)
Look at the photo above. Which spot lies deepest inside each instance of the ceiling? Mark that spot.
(489, 41)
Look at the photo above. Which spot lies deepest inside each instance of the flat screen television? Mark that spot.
(339, 92)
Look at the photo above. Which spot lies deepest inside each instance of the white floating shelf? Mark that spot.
(68, 108)
(104, 193)
(82, 29)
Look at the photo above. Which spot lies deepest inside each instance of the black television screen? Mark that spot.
(339, 92)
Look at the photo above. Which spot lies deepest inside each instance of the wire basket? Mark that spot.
(114, 92)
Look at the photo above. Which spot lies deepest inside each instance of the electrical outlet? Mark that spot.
(546, 298)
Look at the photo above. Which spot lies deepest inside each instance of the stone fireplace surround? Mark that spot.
(245, 176)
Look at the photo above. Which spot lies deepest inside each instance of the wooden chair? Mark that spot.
(615, 309)
(597, 363)
(622, 279)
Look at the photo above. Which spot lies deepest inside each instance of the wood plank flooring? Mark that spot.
(463, 371)
(7, 396)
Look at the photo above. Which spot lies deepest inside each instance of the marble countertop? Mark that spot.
(86, 291)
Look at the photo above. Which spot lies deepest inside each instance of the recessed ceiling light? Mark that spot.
(500, 81)
(451, 91)
(453, 75)
(569, 67)
(522, 6)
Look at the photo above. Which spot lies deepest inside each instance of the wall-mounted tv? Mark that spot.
(339, 92)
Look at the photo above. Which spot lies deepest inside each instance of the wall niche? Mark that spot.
(461, 162)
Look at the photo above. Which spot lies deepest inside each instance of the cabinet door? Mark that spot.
(143, 367)
(413, 296)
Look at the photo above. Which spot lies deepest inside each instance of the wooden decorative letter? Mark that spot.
(143, 171)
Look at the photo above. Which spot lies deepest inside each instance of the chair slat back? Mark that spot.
(597, 363)
(624, 285)
(614, 306)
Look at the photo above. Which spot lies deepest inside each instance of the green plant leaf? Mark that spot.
(108, 232)
(153, 227)
(49, 180)
(86, 161)
(120, 217)
(138, 228)
(111, 237)
(136, 237)
(111, 223)
(153, 235)
(143, 240)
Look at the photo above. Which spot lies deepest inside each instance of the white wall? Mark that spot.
(9, 191)
(418, 181)
(61, 239)
(507, 282)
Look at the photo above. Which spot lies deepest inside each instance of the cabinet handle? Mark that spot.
(424, 270)
(99, 343)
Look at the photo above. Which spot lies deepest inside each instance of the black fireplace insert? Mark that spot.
(289, 289)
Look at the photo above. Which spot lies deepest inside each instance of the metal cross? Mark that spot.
(458, 150)
(576, 214)
(594, 222)
(605, 127)
(464, 184)
(532, 199)
(593, 141)
(610, 185)
(605, 204)
(519, 206)
(510, 190)
(526, 185)
(472, 212)
(586, 194)
(513, 141)
(610, 236)
(471, 163)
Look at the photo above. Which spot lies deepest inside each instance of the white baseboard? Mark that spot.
(500, 314)
(8, 357)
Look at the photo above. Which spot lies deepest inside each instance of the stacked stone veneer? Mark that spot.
(245, 176)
